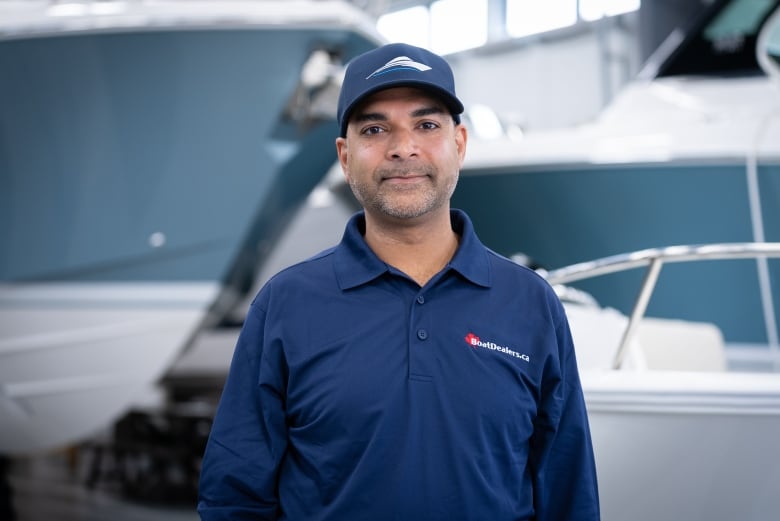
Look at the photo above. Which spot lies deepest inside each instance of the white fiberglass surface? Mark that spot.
(71, 361)
(656, 465)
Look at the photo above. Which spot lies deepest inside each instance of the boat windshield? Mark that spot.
(773, 44)
(722, 42)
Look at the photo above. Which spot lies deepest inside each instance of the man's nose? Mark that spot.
(402, 144)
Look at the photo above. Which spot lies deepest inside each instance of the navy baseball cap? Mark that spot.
(396, 65)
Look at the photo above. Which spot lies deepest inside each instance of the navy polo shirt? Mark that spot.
(356, 394)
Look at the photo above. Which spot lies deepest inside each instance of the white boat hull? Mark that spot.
(681, 445)
(74, 357)
(676, 435)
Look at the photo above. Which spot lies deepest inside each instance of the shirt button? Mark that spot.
(420, 299)
(422, 334)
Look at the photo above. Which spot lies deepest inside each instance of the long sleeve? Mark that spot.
(566, 486)
(248, 437)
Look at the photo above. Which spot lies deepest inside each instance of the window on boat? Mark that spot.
(722, 42)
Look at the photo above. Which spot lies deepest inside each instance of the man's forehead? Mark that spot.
(404, 94)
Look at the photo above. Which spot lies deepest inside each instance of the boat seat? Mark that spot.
(679, 345)
(661, 344)
(596, 333)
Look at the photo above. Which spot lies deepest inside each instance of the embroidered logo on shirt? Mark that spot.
(474, 341)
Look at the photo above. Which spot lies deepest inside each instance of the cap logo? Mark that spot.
(400, 63)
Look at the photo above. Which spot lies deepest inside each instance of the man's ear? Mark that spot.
(461, 138)
(341, 152)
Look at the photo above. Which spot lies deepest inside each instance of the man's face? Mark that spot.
(402, 154)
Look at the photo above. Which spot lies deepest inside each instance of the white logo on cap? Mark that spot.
(402, 62)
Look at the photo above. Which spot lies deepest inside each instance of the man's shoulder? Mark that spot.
(294, 283)
(506, 267)
(317, 265)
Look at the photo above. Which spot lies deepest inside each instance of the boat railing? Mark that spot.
(654, 259)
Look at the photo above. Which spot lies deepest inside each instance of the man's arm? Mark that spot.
(565, 487)
(248, 437)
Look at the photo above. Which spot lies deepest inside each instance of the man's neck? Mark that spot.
(419, 248)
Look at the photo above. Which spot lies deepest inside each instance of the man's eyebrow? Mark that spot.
(362, 117)
(369, 116)
(427, 111)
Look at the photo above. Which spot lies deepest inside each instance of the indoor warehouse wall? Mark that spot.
(563, 78)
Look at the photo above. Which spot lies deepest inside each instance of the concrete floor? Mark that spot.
(53, 487)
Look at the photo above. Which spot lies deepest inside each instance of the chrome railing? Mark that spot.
(654, 259)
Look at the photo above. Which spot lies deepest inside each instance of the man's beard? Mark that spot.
(389, 200)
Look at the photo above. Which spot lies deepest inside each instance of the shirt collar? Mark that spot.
(356, 263)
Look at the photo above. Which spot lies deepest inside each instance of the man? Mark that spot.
(409, 373)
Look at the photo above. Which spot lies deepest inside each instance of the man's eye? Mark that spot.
(429, 125)
(369, 131)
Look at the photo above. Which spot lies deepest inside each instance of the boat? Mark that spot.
(687, 153)
(681, 430)
(151, 155)
(659, 225)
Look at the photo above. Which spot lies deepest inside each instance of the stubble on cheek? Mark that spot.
(400, 200)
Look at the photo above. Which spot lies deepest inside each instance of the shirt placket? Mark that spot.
(421, 358)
